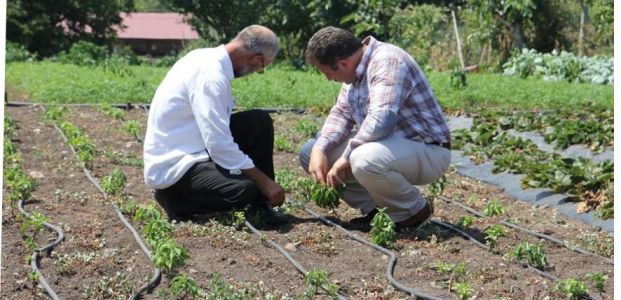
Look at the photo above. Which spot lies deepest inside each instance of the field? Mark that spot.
(100, 259)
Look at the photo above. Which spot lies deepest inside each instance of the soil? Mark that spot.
(99, 259)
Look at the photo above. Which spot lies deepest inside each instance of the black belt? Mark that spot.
(443, 145)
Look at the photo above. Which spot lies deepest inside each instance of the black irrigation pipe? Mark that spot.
(155, 279)
(528, 231)
(34, 261)
(391, 264)
(284, 253)
(144, 106)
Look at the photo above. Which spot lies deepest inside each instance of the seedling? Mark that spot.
(55, 114)
(306, 127)
(114, 183)
(34, 223)
(466, 221)
(114, 112)
(281, 143)
(572, 288)
(437, 187)
(239, 219)
(157, 230)
(383, 229)
(133, 128)
(169, 255)
(182, 286)
(492, 233)
(534, 254)
(286, 179)
(148, 213)
(316, 279)
(443, 268)
(493, 208)
(463, 290)
(599, 280)
(324, 196)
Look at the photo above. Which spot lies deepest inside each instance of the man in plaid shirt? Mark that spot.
(386, 132)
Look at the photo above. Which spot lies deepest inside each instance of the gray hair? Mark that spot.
(259, 39)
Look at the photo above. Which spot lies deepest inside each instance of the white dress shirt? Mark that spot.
(189, 119)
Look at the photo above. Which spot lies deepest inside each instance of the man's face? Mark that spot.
(342, 72)
(256, 63)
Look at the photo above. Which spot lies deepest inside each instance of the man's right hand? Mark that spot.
(274, 193)
(318, 166)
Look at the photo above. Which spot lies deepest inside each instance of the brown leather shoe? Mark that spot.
(417, 220)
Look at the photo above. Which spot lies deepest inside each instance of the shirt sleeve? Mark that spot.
(338, 124)
(386, 88)
(212, 105)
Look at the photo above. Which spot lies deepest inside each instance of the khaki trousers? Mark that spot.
(386, 172)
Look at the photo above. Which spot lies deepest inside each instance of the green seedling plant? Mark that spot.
(157, 230)
(466, 222)
(492, 233)
(114, 182)
(33, 223)
(572, 288)
(598, 279)
(55, 114)
(326, 197)
(493, 208)
(113, 112)
(239, 219)
(306, 127)
(169, 255)
(383, 229)
(286, 178)
(133, 128)
(437, 187)
(282, 143)
(183, 286)
(533, 254)
(316, 279)
(463, 290)
(148, 213)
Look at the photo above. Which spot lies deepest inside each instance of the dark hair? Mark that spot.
(330, 44)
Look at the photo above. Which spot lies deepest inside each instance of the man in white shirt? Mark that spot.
(198, 156)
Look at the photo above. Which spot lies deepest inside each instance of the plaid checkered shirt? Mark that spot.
(390, 96)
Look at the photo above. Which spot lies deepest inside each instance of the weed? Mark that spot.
(572, 288)
(534, 254)
(492, 233)
(182, 286)
(239, 219)
(598, 279)
(55, 114)
(281, 143)
(115, 287)
(120, 159)
(324, 196)
(114, 182)
(465, 221)
(437, 187)
(463, 290)
(383, 229)
(493, 208)
(308, 128)
(286, 178)
(443, 267)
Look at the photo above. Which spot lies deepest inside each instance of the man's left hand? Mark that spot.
(340, 172)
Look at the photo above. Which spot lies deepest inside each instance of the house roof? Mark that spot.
(155, 26)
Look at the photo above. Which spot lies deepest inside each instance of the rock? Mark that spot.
(291, 247)
(36, 174)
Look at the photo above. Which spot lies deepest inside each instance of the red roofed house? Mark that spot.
(155, 34)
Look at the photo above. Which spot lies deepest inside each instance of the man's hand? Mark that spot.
(274, 193)
(340, 172)
(318, 166)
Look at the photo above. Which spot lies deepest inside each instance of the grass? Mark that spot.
(282, 86)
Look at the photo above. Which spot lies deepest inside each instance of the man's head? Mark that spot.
(252, 49)
(335, 52)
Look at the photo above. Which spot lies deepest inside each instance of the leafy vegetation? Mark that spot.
(599, 280)
(493, 208)
(383, 229)
(114, 182)
(492, 233)
(316, 279)
(533, 254)
(572, 288)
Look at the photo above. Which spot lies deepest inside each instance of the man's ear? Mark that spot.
(342, 64)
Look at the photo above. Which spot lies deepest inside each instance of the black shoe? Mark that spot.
(266, 214)
(164, 202)
(417, 220)
(366, 220)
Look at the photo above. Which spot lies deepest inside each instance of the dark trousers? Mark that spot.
(207, 187)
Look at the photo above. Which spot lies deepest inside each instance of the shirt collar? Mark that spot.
(371, 43)
(227, 64)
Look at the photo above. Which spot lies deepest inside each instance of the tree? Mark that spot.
(46, 27)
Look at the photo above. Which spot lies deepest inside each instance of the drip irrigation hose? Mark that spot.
(34, 261)
(528, 231)
(284, 253)
(391, 264)
(154, 281)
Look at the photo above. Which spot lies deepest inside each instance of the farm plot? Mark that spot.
(226, 260)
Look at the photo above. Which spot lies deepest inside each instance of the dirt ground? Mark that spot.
(99, 259)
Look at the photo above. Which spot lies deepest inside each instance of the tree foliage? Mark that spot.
(45, 27)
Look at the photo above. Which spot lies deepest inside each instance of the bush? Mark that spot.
(84, 53)
(17, 52)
